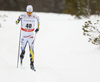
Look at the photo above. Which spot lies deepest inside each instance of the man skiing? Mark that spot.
(29, 26)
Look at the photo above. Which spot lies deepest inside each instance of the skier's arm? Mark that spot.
(18, 20)
(38, 25)
(37, 29)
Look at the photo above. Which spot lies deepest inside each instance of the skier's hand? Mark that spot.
(37, 30)
(18, 20)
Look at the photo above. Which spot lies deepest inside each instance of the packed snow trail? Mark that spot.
(62, 53)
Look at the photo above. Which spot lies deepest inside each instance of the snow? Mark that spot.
(62, 52)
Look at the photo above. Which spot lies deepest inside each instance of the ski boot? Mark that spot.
(22, 56)
(32, 66)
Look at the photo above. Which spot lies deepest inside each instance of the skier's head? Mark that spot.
(29, 10)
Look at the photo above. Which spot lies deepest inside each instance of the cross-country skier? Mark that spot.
(29, 26)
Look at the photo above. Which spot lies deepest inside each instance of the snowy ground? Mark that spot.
(62, 53)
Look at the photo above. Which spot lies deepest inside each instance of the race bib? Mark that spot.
(28, 24)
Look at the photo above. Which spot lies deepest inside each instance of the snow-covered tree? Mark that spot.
(92, 30)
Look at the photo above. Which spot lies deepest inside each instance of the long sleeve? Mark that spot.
(38, 22)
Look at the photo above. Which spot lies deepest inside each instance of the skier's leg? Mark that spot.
(31, 58)
(31, 54)
(22, 54)
(31, 49)
(23, 46)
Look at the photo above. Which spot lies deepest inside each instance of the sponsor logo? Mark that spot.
(28, 20)
(26, 36)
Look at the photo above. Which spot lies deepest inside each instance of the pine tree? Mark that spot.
(97, 7)
(82, 7)
(77, 7)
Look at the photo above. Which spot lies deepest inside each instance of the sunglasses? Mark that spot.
(29, 13)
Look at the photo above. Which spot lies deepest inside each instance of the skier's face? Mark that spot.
(29, 13)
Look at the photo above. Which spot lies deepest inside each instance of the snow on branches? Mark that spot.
(92, 30)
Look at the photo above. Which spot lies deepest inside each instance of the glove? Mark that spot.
(18, 20)
(37, 30)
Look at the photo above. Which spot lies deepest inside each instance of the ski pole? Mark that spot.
(35, 36)
(19, 49)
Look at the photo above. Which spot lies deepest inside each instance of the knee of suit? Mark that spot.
(23, 49)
